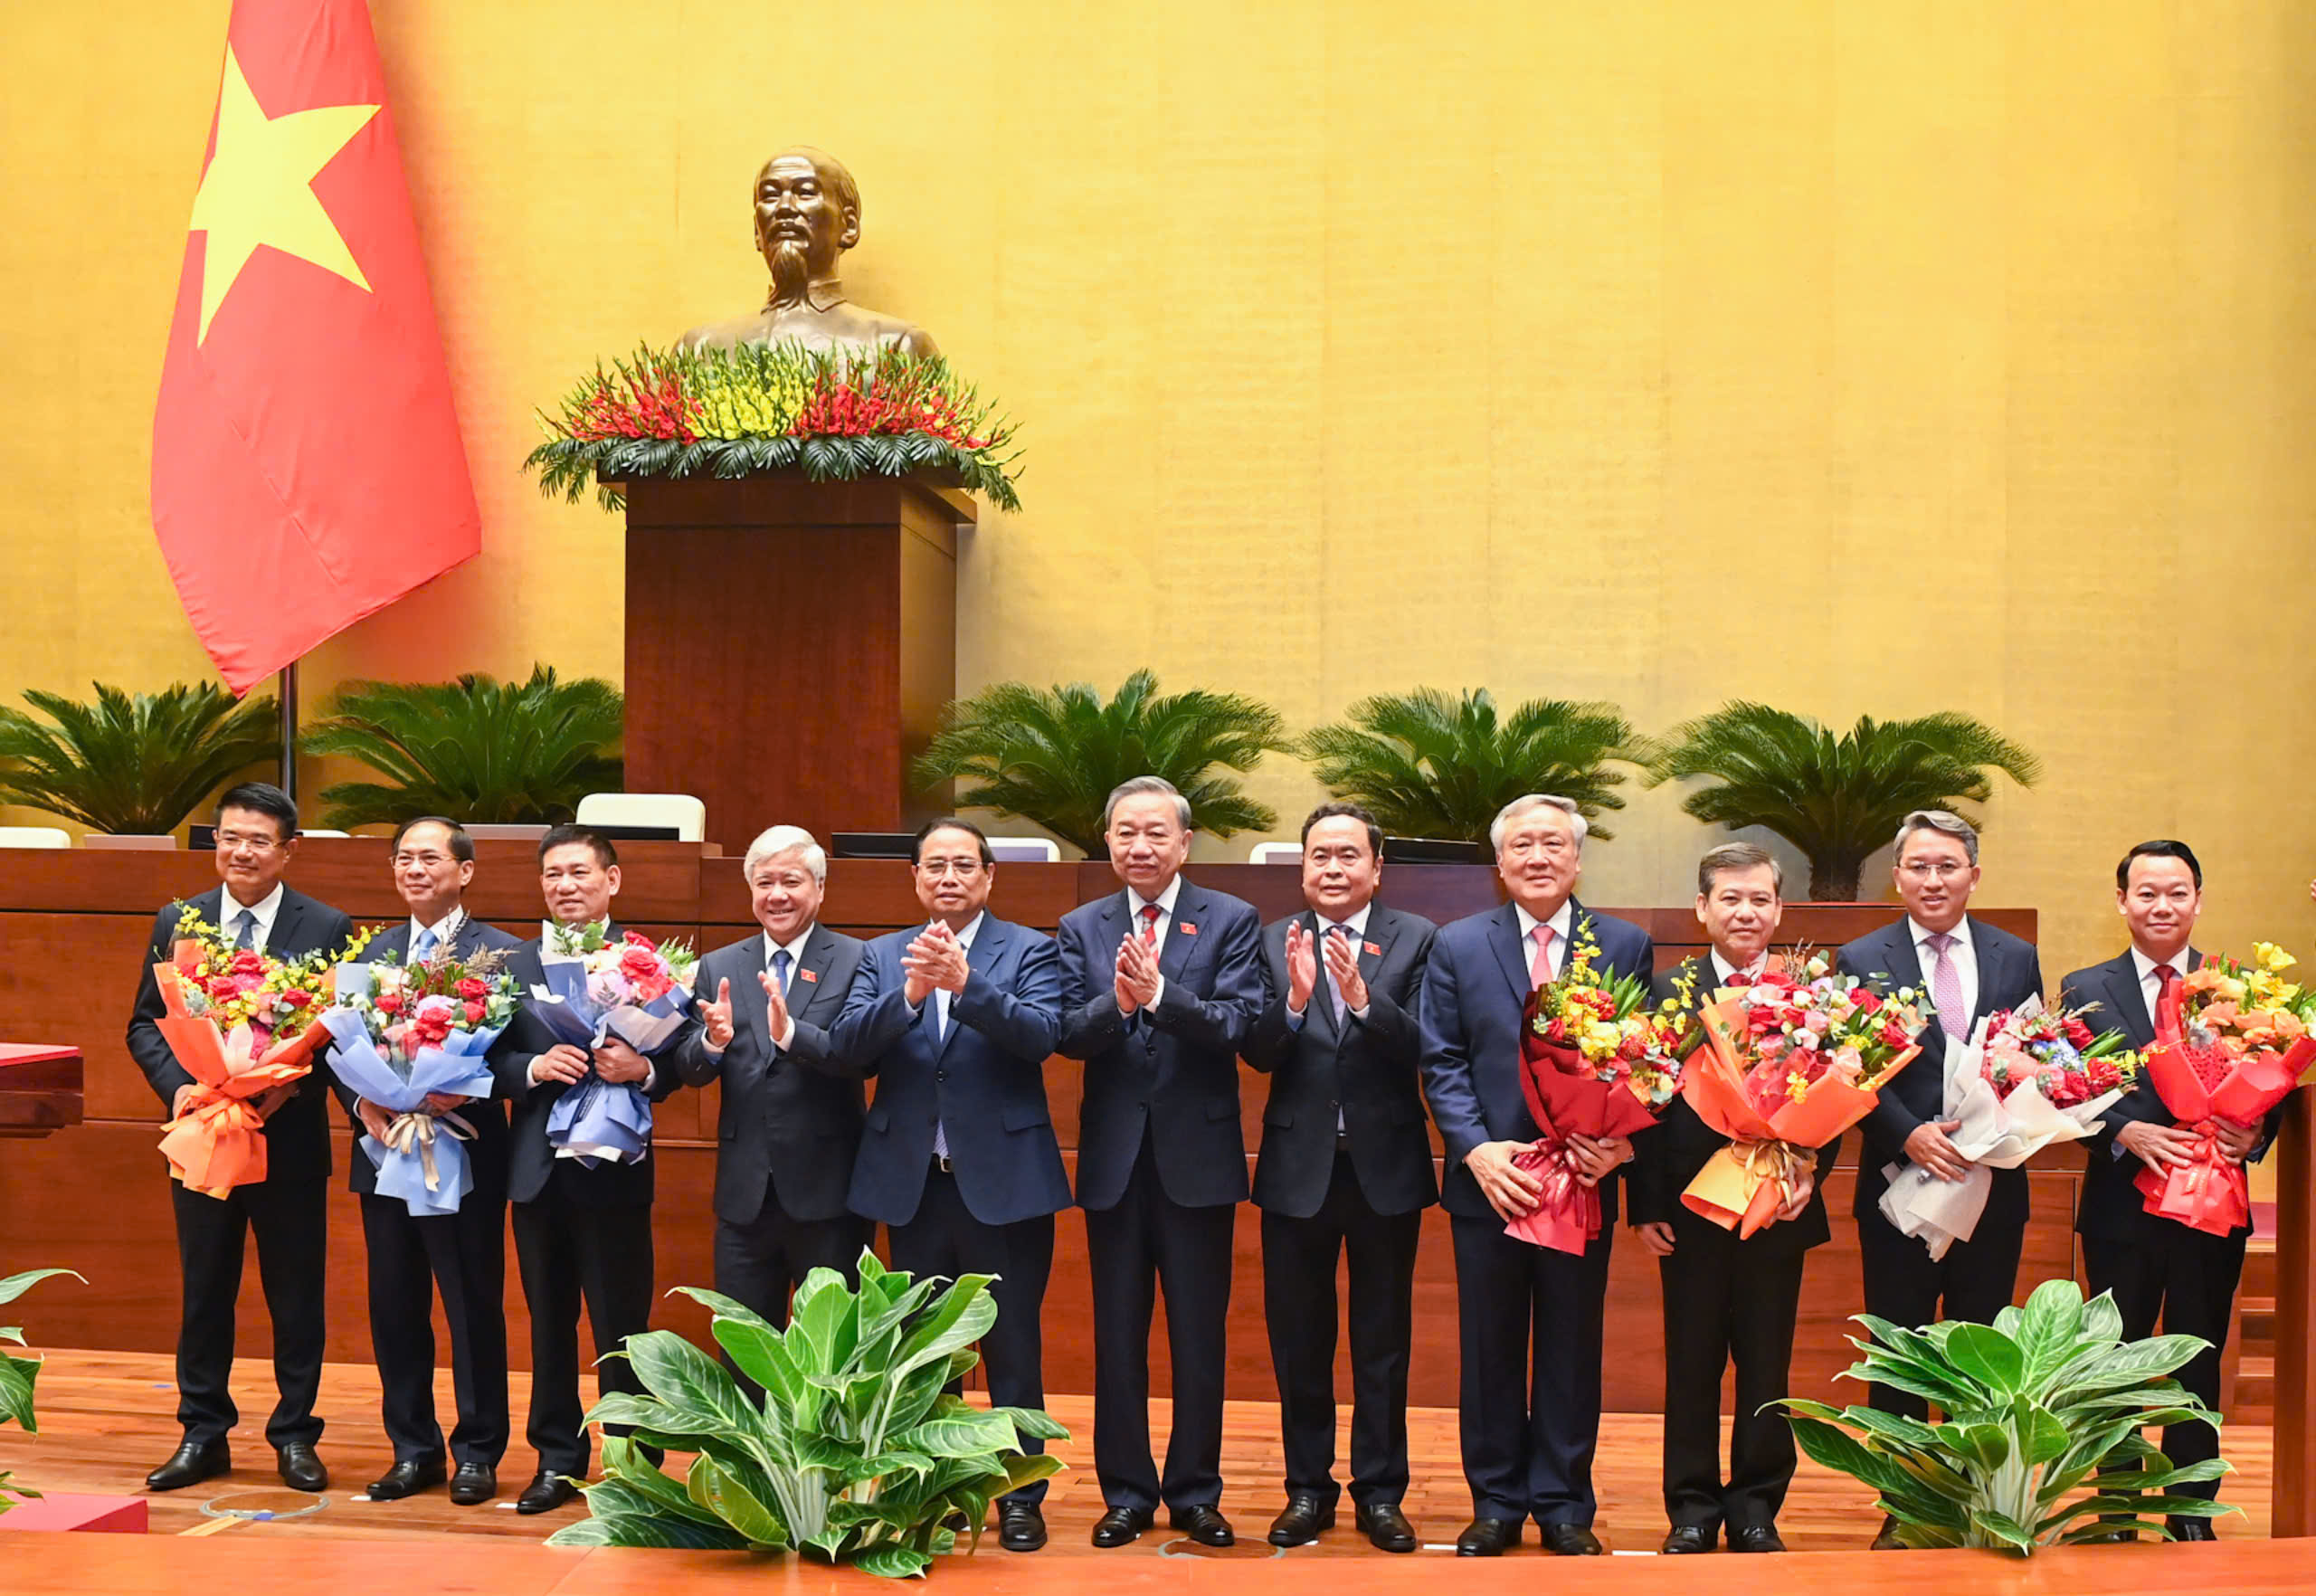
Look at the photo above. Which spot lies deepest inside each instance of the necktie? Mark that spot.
(940, 1035)
(1541, 971)
(245, 928)
(2167, 987)
(780, 970)
(1334, 987)
(1946, 988)
(1150, 913)
(424, 949)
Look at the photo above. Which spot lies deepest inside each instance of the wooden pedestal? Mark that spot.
(39, 1088)
(790, 645)
(2293, 1503)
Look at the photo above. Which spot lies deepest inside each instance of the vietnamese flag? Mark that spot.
(307, 466)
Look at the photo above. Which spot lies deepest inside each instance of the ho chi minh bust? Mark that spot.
(808, 214)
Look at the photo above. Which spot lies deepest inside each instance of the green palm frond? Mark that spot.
(475, 749)
(132, 763)
(1836, 798)
(1428, 766)
(1052, 755)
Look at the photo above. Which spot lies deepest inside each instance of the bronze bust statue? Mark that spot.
(807, 214)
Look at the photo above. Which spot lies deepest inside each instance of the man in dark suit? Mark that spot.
(1345, 1167)
(579, 1233)
(464, 1254)
(1725, 1299)
(1161, 982)
(956, 1019)
(257, 837)
(787, 1126)
(1969, 970)
(1530, 1317)
(2153, 1265)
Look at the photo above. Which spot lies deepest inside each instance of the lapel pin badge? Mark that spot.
(810, 975)
(1187, 929)
(1372, 950)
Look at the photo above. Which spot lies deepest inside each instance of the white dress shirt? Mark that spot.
(267, 910)
(1724, 971)
(1562, 922)
(445, 930)
(2147, 984)
(1963, 955)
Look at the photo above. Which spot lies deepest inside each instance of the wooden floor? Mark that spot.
(106, 1419)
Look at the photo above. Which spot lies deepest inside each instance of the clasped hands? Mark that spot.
(934, 962)
(1136, 982)
(613, 1060)
(2162, 1147)
(1656, 1235)
(1514, 1192)
(1303, 954)
(377, 1120)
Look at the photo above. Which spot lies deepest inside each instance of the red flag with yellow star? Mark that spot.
(307, 466)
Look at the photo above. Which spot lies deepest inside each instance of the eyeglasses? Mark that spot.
(1942, 870)
(234, 842)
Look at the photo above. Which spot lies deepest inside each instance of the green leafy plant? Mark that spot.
(476, 749)
(2040, 1442)
(1053, 755)
(1837, 799)
(16, 1375)
(1428, 766)
(132, 762)
(856, 1454)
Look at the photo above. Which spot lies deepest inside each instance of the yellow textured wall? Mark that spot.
(1891, 357)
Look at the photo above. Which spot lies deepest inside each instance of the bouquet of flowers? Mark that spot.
(244, 1024)
(634, 989)
(406, 1033)
(2027, 1078)
(1596, 1059)
(1789, 1063)
(2230, 1043)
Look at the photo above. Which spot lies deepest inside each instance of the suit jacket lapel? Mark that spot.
(278, 942)
(1190, 910)
(988, 947)
(2126, 1006)
(1504, 936)
(806, 980)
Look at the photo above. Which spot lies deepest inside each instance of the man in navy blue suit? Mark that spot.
(1531, 1317)
(955, 1019)
(1161, 984)
(463, 1254)
(2154, 1264)
(1969, 970)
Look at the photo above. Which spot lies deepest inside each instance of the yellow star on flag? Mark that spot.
(259, 188)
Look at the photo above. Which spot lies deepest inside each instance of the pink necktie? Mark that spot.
(1541, 971)
(1946, 988)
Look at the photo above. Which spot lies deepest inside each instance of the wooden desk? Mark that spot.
(39, 1088)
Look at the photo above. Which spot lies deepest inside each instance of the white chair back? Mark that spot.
(1289, 853)
(681, 811)
(1025, 850)
(34, 837)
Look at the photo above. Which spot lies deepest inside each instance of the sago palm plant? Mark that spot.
(1428, 766)
(475, 749)
(132, 762)
(1052, 755)
(1836, 798)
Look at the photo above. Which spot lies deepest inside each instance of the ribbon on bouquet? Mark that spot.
(1742, 1186)
(1567, 1216)
(2210, 1192)
(414, 1134)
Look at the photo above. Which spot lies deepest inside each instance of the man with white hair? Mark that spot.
(788, 1128)
(1530, 1319)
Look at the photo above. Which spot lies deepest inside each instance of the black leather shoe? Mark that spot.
(1756, 1537)
(191, 1464)
(1569, 1540)
(1302, 1520)
(474, 1483)
(547, 1492)
(406, 1478)
(1121, 1527)
(1683, 1538)
(1206, 1525)
(1387, 1528)
(1888, 1540)
(1021, 1526)
(301, 1470)
(2191, 1529)
(1488, 1537)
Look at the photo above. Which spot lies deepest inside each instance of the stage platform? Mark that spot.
(105, 1419)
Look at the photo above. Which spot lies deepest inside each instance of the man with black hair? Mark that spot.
(955, 1019)
(2155, 1265)
(463, 1254)
(579, 1233)
(257, 838)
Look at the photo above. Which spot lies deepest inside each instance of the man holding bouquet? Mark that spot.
(1725, 1298)
(580, 1232)
(1969, 970)
(1531, 1317)
(2156, 1265)
(463, 1254)
(287, 1211)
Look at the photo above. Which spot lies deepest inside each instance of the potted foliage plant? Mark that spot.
(132, 765)
(16, 1376)
(1837, 798)
(1052, 756)
(475, 748)
(856, 1453)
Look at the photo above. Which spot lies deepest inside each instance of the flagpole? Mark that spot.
(288, 698)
